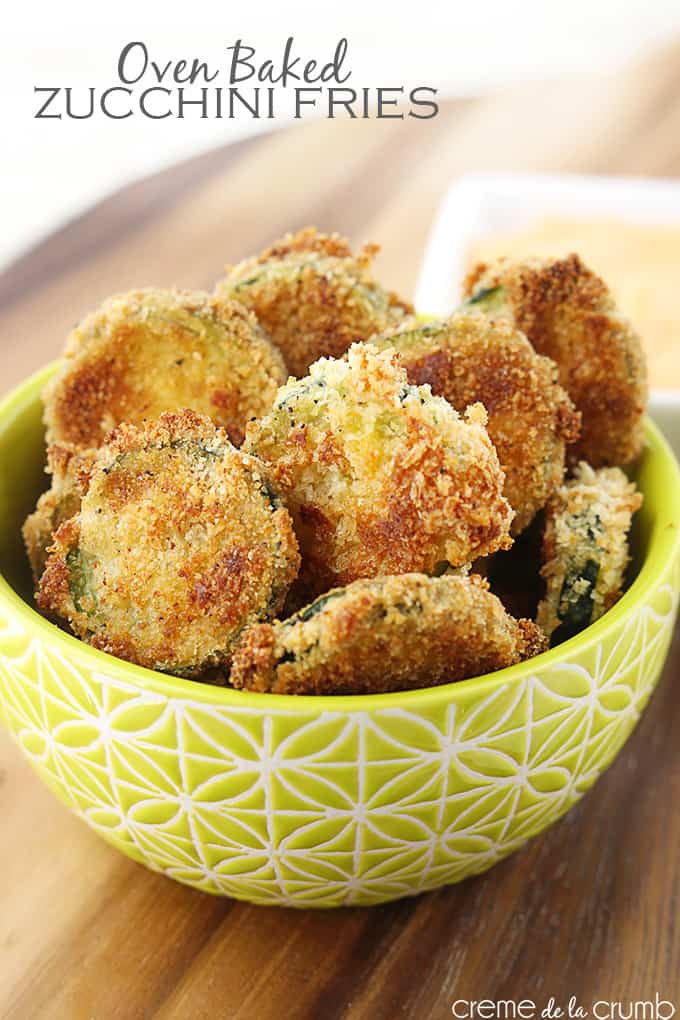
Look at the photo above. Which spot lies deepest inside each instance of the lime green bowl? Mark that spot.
(323, 801)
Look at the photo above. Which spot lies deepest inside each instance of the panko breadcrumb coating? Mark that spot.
(70, 470)
(469, 359)
(313, 296)
(386, 634)
(585, 549)
(381, 477)
(151, 351)
(180, 542)
(568, 314)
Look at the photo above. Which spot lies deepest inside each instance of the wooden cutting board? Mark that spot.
(590, 909)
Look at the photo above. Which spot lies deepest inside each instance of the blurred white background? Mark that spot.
(54, 169)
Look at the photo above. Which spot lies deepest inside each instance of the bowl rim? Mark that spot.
(664, 545)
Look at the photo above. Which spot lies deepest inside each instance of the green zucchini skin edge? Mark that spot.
(489, 297)
(79, 580)
(576, 615)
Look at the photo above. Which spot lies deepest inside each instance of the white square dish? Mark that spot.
(484, 205)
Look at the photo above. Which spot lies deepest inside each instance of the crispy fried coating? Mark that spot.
(568, 314)
(386, 634)
(585, 549)
(70, 469)
(313, 296)
(180, 542)
(151, 351)
(381, 477)
(469, 359)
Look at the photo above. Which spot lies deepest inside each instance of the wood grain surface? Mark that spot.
(590, 909)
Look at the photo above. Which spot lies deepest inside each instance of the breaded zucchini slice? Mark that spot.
(180, 542)
(585, 549)
(386, 634)
(469, 359)
(70, 470)
(313, 296)
(569, 315)
(381, 477)
(151, 351)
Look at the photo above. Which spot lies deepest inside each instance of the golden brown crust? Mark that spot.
(388, 634)
(308, 240)
(70, 469)
(531, 640)
(151, 351)
(568, 315)
(179, 543)
(469, 359)
(313, 296)
(380, 477)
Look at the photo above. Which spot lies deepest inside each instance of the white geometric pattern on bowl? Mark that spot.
(317, 807)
